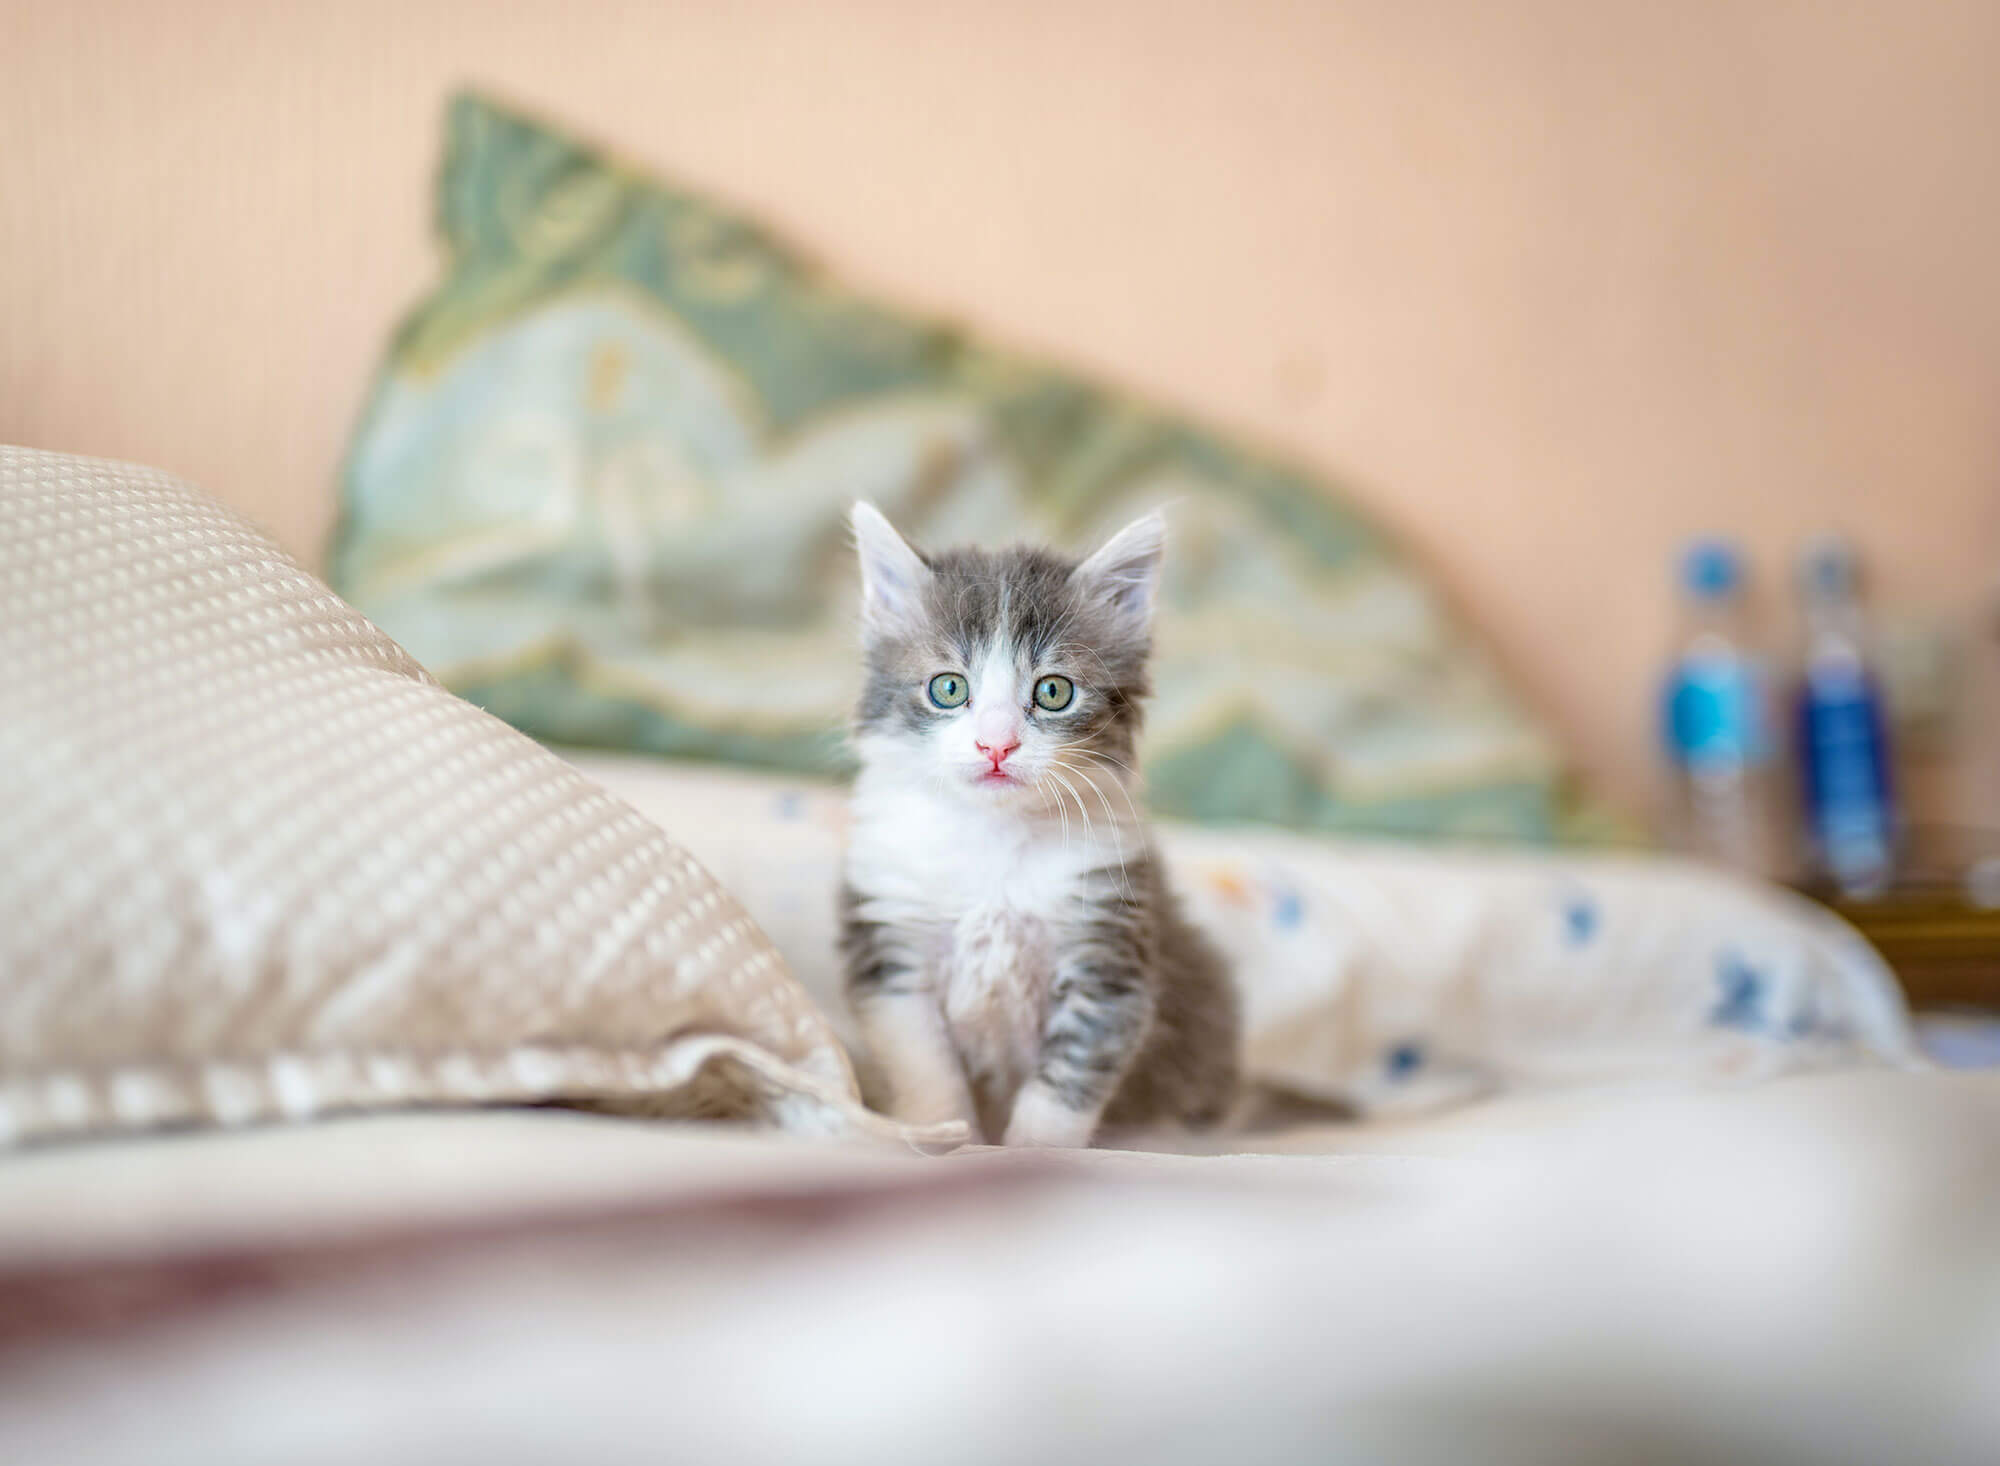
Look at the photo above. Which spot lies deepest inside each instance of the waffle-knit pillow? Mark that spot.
(255, 863)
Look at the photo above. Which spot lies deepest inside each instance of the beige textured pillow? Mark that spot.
(255, 863)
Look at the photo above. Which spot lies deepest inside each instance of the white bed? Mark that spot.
(1646, 1167)
(1396, 977)
(1697, 1257)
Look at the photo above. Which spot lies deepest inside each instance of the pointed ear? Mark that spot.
(1126, 571)
(892, 574)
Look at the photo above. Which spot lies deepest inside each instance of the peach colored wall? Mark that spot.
(1551, 284)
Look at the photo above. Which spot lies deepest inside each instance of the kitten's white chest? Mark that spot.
(996, 901)
(994, 979)
(930, 864)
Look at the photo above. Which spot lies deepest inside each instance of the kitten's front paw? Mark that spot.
(1041, 1118)
(935, 1107)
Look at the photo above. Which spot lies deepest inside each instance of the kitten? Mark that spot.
(1014, 956)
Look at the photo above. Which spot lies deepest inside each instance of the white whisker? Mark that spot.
(1081, 809)
(1117, 784)
(1105, 757)
(1110, 818)
(1041, 786)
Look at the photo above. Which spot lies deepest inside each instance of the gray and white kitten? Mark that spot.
(1014, 956)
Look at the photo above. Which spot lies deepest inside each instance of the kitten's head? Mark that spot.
(1010, 676)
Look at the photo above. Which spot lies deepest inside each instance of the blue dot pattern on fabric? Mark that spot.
(1288, 911)
(1741, 1004)
(1404, 1059)
(1580, 920)
(791, 805)
(1813, 1021)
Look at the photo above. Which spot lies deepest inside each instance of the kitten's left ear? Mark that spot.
(892, 574)
(1126, 571)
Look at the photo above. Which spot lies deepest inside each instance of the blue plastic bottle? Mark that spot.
(1846, 783)
(1716, 713)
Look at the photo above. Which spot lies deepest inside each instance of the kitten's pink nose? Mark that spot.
(997, 752)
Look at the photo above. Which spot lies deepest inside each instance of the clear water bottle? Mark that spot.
(1721, 737)
(1847, 785)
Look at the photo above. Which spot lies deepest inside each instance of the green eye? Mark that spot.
(948, 690)
(1053, 694)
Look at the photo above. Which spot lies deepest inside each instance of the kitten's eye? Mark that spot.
(1053, 694)
(948, 690)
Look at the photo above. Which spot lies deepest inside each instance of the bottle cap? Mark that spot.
(1829, 568)
(1711, 569)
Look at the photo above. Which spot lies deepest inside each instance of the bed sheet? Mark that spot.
(1398, 977)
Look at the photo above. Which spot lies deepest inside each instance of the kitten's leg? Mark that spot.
(906, 1034)
(902, 1022)
(1099, 1011)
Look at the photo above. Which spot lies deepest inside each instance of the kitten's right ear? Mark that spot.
(892, 574)
(1126, 569)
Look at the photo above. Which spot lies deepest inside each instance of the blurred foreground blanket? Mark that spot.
(1803, 1271)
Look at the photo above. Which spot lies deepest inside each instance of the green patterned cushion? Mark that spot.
(600, 489)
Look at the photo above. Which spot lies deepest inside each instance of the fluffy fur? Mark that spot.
(1014, 956)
